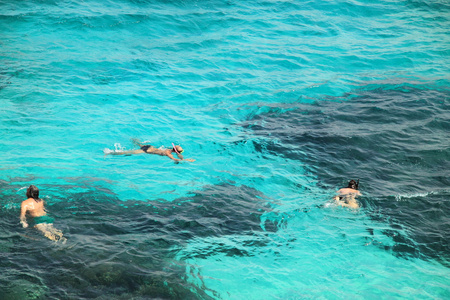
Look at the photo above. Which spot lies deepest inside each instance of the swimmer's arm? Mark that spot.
(181, 158)
(186, 159)
(169, 155)
(339, 193)
(23, 219)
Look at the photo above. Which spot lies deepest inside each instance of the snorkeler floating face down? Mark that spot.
(149, 149)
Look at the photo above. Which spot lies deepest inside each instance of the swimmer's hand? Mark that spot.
(189, 159)
(24, 224)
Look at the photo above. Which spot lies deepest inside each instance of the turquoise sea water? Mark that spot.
(279, 102)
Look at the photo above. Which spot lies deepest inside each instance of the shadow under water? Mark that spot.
(394, 138)
(119, 250)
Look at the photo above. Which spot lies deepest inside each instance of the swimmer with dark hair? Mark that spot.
(34, 206)
(149, 149)
(347, 196)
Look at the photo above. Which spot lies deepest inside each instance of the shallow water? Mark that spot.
(280, 103)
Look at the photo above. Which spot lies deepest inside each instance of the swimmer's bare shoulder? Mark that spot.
(346, 191)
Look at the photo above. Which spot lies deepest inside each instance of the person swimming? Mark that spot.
(149, 149)
(347, 196)
(34, 206)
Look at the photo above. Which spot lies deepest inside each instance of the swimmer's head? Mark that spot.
(177, 149)
(352, 184)
(33, 192)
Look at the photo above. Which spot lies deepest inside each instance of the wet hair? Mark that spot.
(353, 184)
(33, 192)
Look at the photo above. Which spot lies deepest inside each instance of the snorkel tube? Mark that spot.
(357, 185)
(175, 149)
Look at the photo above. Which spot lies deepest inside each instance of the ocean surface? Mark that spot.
(280, 103)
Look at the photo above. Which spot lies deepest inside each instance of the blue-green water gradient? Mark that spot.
(280, 103)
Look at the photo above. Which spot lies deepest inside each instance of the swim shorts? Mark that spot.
(44, 219)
